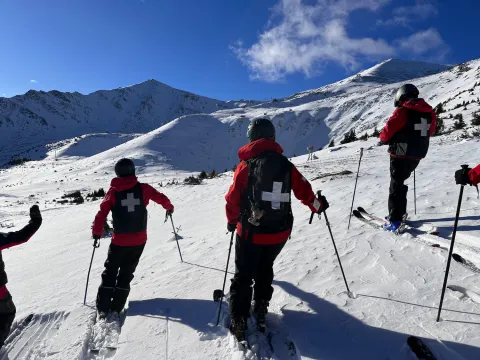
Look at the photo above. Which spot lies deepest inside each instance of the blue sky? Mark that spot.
(224, 49)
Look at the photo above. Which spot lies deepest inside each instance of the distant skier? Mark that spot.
(407, 133)
(258, 207)
(470, 177)
(7, 307)
(128, 200)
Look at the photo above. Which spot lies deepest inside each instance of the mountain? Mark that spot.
(40, 117)
(210, 140)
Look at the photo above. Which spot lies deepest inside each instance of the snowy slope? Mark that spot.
(397, 280)
(210, 141)
(38, 117)
(313, 117)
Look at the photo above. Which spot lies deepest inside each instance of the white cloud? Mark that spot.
(33, 81)
(405, 15)
(309, 36)
(4, 95)
(424, 42)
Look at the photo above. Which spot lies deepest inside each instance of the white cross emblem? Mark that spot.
(424, 127)
(130, 202)
(276, 196)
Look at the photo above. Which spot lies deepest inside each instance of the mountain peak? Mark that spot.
(397, 70)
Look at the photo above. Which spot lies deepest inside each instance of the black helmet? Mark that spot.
(407, 91)
(124, 168)
(261, 129)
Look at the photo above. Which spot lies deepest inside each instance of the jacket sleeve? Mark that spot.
(433, 125)
(474, 175)
(303, 191)
(105, 207)
(151, 193)
(234, 195)
(396, 122)
(19, 237)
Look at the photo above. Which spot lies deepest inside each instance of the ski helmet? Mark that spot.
(261, 129)
(124, 168)
(407, 91)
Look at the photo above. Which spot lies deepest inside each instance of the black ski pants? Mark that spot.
(252, 263)
(7, 314)
(119, 268)
(400, 170)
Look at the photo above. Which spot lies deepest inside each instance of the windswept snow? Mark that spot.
(361, 102)
(171, 313)
(396, 279)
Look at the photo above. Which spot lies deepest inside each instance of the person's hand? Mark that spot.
(169, 212)
(462, 178)
(96, 237)
(325, 204)
(231, 227)
(35, 213)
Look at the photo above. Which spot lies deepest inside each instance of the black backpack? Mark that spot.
(266, 205)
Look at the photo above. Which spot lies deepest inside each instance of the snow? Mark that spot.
(395, 280)
(314, 117)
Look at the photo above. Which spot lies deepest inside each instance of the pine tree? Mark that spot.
(459, 124)
(476, 119)
(440, 127)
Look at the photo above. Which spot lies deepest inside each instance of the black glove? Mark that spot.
(461, 177)
(231, 227)
(96, 237)
(35, 213)
(325, 204)
(169, 213)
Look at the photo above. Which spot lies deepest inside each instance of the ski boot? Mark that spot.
(260, 310)
(392, 226)
(237, 327)
(102, 315)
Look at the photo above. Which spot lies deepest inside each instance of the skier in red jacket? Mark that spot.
(128, 200)
(7, 307)
(407, 133)
(258, 207)
(469, 177)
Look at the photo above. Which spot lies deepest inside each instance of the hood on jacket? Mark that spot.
(257, 147)
(123, 183)
(419, 105)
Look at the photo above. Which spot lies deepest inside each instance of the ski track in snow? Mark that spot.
(171, 315)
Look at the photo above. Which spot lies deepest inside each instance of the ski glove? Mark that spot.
(169, 213)
(461, 177)
(96, 237)
(325, 204)
(231, 227)
(35, 213)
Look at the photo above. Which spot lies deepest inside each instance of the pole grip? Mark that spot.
(96, 243)
(319, 193)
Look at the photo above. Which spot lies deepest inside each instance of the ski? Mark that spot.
(360, 217)
(405, 226)
(466, 263)
(420, 349)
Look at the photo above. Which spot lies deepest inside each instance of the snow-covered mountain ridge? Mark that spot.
(361, 102)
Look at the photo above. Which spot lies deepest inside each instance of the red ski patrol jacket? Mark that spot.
(300, 186)
(14, 238)
(474, 175)
(398, 125)
(118, 185)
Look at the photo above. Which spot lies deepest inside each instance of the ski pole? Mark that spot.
(414, 192)
(465, 169)
(96, 244)
(350, 294)
(355, 189)
(176, 238)
(216, 295)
